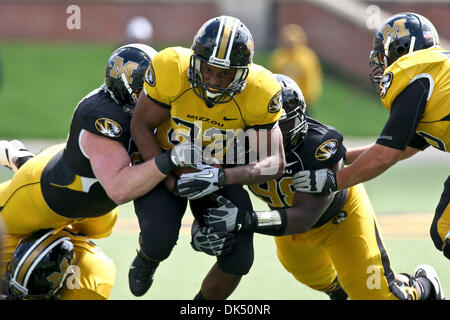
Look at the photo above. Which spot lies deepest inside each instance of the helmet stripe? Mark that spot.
(224, 42)
(32, 257)
(29, 251)
(42, 254)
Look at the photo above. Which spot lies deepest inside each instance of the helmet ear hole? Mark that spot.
(401, 50)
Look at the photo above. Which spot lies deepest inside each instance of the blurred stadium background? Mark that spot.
(48, 63)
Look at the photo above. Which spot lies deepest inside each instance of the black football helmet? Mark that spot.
(293, 121)
(399, 35)
(39, 265)
(223, 42)
(125, 71)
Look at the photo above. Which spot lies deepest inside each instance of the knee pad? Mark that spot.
(154, 249)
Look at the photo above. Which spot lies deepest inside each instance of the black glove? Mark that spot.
(214, 243)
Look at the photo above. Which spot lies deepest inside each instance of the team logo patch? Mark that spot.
(326, 150)
(108, 127)
(275, 103)
(150, 76)
(386, 83)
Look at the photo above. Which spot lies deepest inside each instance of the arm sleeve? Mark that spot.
(406, 112)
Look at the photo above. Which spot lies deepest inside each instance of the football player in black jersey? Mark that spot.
(81, 182)
(330, 242)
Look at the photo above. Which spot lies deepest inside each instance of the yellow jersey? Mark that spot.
(433, 64)
(257, 106)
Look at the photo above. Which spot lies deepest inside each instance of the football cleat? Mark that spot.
(140, 275)
(11, 152)
(428, 272)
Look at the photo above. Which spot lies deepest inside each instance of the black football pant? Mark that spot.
(441, 221)
(160, 213)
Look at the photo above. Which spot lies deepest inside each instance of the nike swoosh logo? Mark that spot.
(229, 119)
(290, 163)
(205, 175)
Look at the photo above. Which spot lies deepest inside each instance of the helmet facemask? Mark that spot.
(211, 94)
(293, 128)
(292, 123)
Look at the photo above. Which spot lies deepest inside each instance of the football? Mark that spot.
(179, 171)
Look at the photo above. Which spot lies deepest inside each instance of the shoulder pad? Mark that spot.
(322, 146)
(260, 100)
(101, 115)
(167, 76)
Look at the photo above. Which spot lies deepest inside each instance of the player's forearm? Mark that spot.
(270, 168)
(367, 166)
(133, 182)
(354, 153)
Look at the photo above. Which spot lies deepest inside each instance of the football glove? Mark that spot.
(199, 184)
(211, 242)
(322, 181)
(182, 155)
(224, 217)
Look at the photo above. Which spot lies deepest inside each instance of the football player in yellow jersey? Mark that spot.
(412, 75)
(208, 94)
(330, 242)
(59, 264)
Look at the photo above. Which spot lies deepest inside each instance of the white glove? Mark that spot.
(320, 181)
(199, 184)
(224, 217)
(182, 155)
(186, 154)
(207, 240)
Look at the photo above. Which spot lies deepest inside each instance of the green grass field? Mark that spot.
(41, 85)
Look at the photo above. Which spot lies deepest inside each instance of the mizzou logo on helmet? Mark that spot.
(326, 150)
(398, 30)
(108, 127)
(59, 275)
(119, 68)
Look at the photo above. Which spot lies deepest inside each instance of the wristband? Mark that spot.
(164, 163)
(271, 223)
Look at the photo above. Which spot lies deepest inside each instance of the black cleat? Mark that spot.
(140, 275)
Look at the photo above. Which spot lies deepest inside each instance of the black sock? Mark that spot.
(199, 296)
(426, 287)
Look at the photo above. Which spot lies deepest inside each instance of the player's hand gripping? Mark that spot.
(199, 184)
(214, 243)
(320, 181)
(224, 217)
(182, 155)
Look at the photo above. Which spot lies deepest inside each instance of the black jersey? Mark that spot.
(68, 183)
(321, 148)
